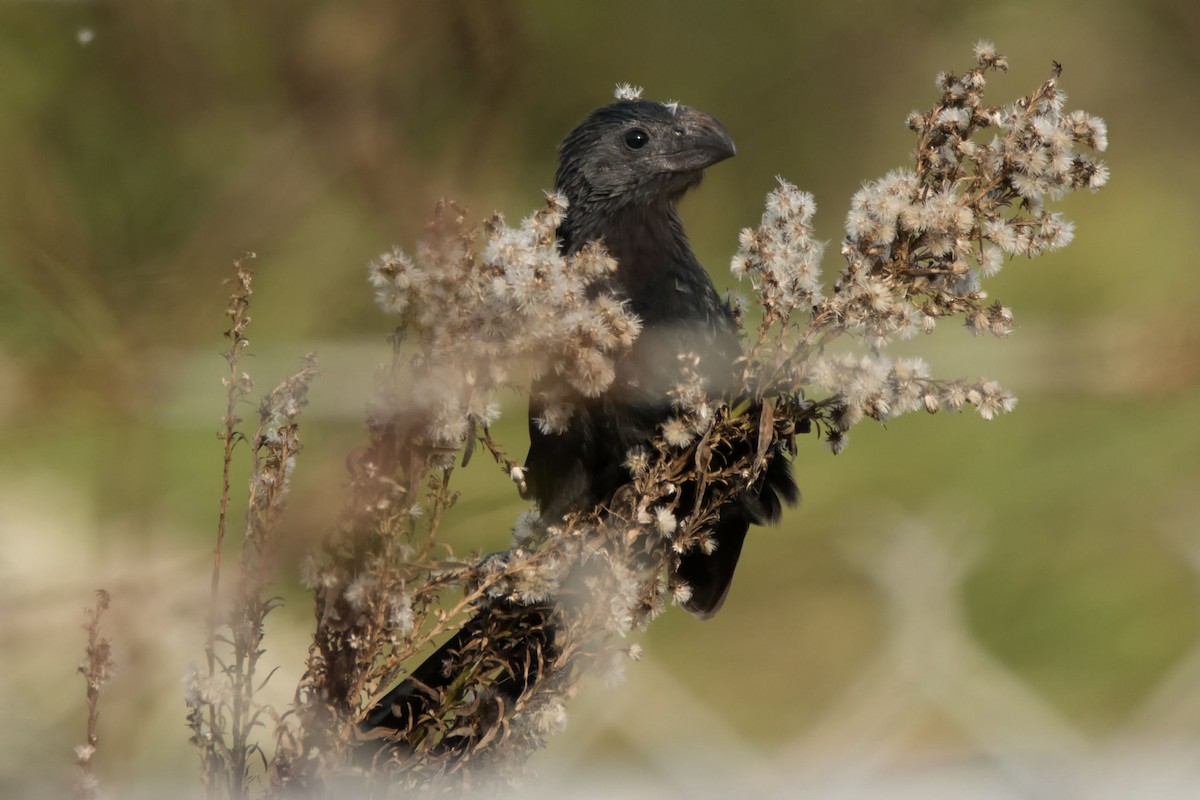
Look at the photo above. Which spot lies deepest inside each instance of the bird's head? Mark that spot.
(638, 152)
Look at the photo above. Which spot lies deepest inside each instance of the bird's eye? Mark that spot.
(636, 138)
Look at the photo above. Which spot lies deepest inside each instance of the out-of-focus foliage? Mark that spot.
(147, 144)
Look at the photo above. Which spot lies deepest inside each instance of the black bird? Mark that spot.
(622, 170)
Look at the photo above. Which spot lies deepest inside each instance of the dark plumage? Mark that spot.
(622, 170)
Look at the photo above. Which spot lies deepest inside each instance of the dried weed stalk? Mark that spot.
(97, 669)
(223, 711)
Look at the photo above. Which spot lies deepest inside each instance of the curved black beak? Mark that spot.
(699, 141)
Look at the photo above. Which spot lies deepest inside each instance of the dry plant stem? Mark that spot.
(237, 387)
(97, 669)
(223, 711)
(275, 446)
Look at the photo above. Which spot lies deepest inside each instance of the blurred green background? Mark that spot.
(145, 145)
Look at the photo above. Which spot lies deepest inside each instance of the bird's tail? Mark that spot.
(709, 575)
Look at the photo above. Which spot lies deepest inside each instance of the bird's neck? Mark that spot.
(648, 243)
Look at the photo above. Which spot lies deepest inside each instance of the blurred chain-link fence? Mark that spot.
(998, 736)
